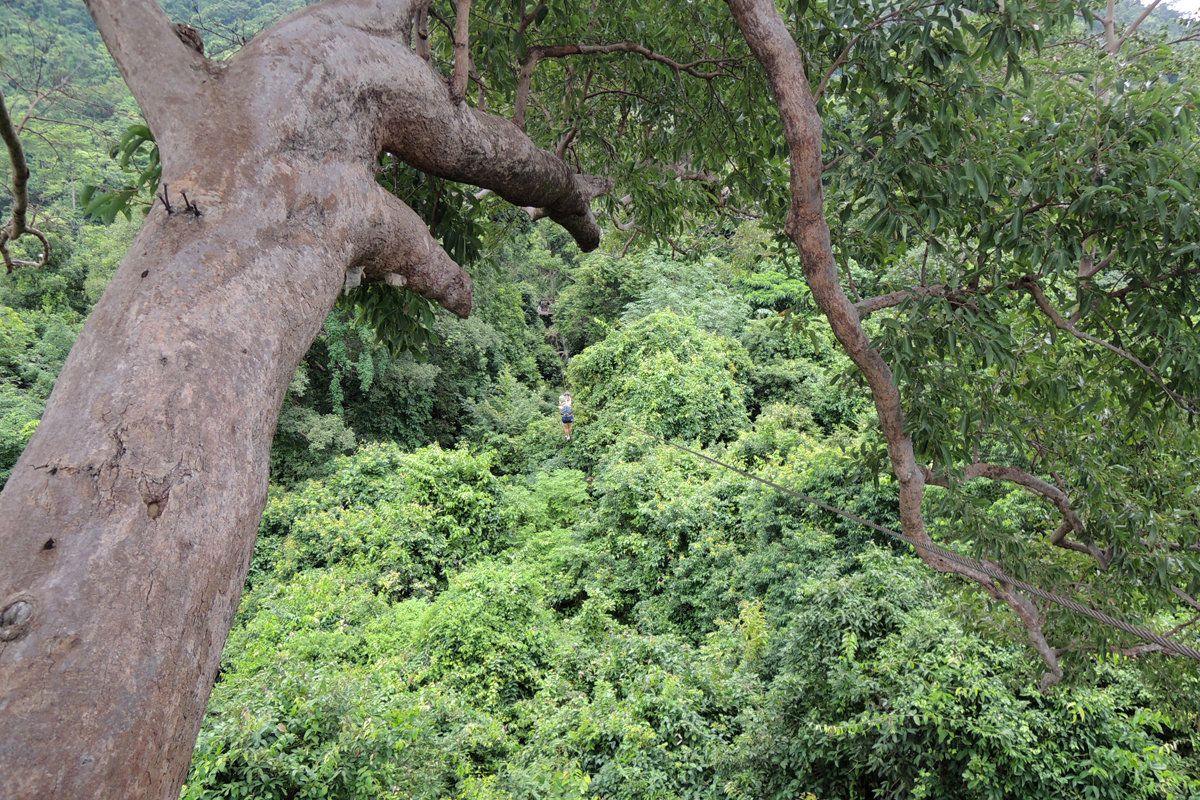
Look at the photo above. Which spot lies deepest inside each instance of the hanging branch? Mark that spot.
(18, 226)
(536, 54)
(1030, 284)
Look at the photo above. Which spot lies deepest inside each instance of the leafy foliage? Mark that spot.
(663, 373)
(406, 519)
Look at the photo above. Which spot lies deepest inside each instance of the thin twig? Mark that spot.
(1030, 284)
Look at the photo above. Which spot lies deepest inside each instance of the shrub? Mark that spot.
(407, 518)
(666, 375)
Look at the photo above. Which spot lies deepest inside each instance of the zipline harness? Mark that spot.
(962, 561)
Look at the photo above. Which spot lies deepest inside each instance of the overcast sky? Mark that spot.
(1189, 7)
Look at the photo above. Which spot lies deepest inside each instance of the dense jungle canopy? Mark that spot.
(930, 262)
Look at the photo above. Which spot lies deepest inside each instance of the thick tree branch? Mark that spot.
(18, 226)
(422, 33)
(161, 71)
(459, 143)
(397, 248)
(462, 52)
(776, 50)
(1109, 23)
(416, 119)
(1187, 598)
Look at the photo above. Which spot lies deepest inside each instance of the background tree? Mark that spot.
(988, 262)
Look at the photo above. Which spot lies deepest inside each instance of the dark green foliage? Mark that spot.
(298, 730)
(600, 289)
(55, 288)
(19, 415)
(305, 439)
(899, 701)
(136, 155)
(794, 362)
(518, 423)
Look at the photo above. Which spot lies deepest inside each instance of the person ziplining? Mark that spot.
(568, 416)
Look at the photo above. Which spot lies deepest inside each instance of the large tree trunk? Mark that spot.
(129, 522)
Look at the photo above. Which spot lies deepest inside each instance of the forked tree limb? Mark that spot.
(129, 521)
(1117, 44)
(19, 225)
(416, 119)
(1072, 523)
(160, 70)
(776, 50)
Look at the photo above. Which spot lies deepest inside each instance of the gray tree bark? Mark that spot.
(128, 524)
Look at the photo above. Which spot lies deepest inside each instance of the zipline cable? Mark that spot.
(962, 561)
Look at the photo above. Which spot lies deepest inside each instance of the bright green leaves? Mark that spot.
(136, 154)
(664, 373)
(406, 518)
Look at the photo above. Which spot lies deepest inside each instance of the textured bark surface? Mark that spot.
(128, 524)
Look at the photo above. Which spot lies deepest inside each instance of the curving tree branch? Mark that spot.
(776, 50)
(19, 225)
(1056, 496)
